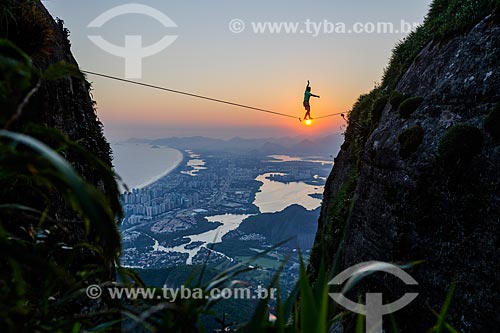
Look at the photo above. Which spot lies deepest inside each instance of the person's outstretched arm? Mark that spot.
(307, 84)
(314, 95)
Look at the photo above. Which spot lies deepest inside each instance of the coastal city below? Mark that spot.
(192, 214)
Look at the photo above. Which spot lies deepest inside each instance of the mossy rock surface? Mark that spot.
(460, 143)
(396, 99)
(378, 107)
(492, 123)
(409, 105)
(410, 140)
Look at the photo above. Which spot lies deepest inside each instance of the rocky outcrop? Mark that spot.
(413, 204)
(63, 106)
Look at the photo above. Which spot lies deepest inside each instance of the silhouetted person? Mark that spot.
(307, 96)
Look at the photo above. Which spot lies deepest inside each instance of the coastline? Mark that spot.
(131, 162)
(218, 217)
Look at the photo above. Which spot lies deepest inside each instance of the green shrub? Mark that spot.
(409, 105)
(447, 18)
(410, 140)
(492, 123)
(403, 55)
(378, 107)
(396, 99)
(460, 143)
(360, 119)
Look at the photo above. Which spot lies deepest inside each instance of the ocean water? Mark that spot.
(140, 164)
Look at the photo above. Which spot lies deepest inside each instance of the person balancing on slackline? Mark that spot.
(307, 97)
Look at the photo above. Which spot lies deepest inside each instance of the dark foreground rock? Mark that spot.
(438, 200)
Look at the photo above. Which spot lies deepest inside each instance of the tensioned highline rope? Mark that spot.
(330, 115)
(199, 96)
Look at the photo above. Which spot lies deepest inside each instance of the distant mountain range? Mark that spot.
(327, 145)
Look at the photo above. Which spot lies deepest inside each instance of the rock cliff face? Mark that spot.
(412, 203)
(60, 109)
(64, 104)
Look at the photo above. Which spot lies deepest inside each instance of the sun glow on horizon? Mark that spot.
(265, 71)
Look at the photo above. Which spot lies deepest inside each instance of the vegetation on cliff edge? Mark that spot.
(445, 20)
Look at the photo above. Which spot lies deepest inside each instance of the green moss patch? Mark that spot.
(410, 140)
(409, 105)
(396, 99)
(378, 107)
(460, 143)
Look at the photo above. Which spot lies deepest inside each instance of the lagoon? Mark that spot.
(275, 196)
(272, 197)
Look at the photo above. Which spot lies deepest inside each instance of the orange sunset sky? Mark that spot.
(263, 70)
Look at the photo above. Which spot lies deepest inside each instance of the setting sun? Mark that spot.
(308, 122)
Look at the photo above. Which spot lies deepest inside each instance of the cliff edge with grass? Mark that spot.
(58, 195)
(417, 176)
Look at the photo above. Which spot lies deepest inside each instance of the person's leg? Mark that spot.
(308, 110)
